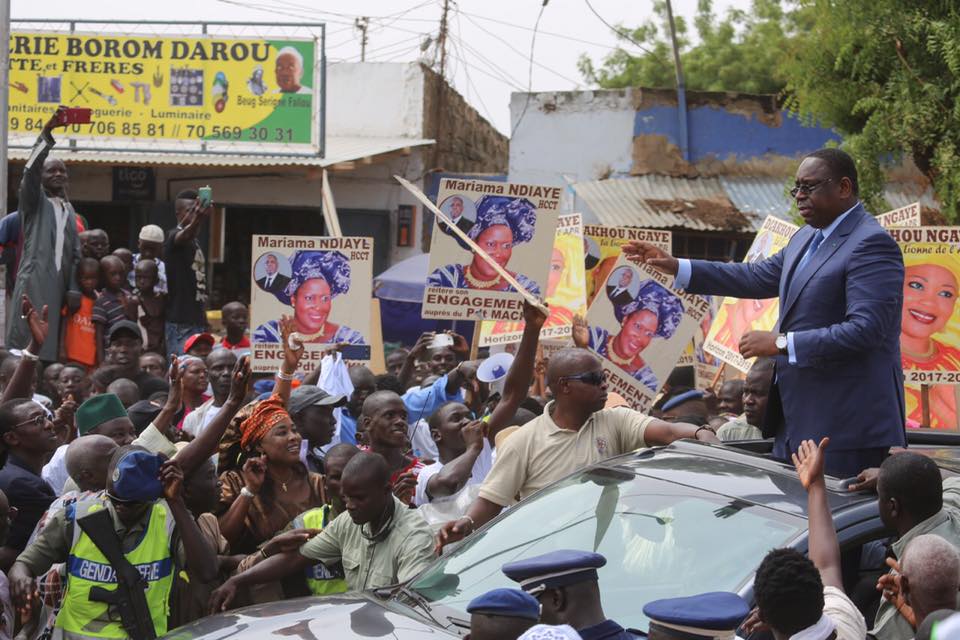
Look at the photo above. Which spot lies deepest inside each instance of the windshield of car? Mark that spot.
(660, 540)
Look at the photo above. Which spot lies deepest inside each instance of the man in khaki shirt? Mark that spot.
(379, 540)
(574, 431)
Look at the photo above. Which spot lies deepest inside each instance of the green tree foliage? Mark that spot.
(886, 74)
(740, 52)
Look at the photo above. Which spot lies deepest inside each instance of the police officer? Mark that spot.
(502, 614)
(708, 616)
(144, 501)
(566, 584)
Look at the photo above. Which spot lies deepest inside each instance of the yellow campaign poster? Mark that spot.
(144, 88)
(930, 321)
(566, 289)
(737, 316)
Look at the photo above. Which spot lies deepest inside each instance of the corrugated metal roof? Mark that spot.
(338, 149)
(642, 201)
(762, 195)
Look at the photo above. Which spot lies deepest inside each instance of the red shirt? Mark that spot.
(243, 344)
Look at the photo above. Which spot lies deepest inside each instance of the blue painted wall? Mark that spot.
(719, 133)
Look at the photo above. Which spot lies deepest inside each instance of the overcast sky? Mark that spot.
(489, 39)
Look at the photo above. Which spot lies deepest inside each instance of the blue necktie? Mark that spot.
(814, 245)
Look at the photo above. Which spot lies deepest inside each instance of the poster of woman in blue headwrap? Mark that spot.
(323, 286)
(640, 326)
(517, 232)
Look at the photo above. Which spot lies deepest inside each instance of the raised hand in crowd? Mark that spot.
(63, 419)
(293, 350)
(21, 382)
(890, 586)
(54, 121)
(171, 477)
(580, 332)
(416, 354)
(288, 541)
(405, 486)
(642, 252)
(460, 345)
(254, 474)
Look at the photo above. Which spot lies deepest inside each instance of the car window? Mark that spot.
(660, 540)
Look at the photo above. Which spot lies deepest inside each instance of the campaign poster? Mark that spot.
(930, 321)
(566, 289)
(602, 247)
(639, 325)
(324, 284)
(249, 91)
(514, 224)
(908, 216)
(735, 316)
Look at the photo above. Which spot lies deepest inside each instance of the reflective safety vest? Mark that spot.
(320, 579)
(87, 567)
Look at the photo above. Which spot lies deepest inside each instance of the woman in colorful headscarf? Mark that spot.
(654, 313)
(930, 290)
(316, 278)
(273, 486)
(501, 224)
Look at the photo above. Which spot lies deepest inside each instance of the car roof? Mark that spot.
(736, 474)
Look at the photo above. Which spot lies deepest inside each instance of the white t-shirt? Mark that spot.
(481, 467)
(839, 608)
(55, 471)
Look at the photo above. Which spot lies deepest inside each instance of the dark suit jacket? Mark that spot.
(844, 310)
(622, 298)
(279, 283)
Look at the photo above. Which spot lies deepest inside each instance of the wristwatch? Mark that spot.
(782, 344)
(247, 493)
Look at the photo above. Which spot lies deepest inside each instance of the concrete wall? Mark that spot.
(375, 99)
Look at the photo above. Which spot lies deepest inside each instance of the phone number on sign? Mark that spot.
(163, 130)
(933, 377)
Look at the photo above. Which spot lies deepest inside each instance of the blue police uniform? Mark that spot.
(506, 602)
(559, 569)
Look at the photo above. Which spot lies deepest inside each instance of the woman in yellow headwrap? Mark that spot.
(930, 289)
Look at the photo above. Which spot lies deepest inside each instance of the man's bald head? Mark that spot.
(932, 569)
(362, 375)
(376, 400)
(340, 454)
(367, 468)
(87, 460)
(570, 362)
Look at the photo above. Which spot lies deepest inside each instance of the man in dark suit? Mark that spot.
(274, 282)
(837, 341)
(619, 293)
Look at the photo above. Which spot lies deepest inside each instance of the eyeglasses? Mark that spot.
(807, 189)
(38, 421)
(596, 378)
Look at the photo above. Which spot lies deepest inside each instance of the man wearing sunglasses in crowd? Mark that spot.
(574, 431)
(29, 438)
(837, 340)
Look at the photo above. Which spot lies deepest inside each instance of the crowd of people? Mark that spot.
(134, 437)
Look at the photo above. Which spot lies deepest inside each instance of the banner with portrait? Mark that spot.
(514, 224)
(930, 321)
(602, 247)
(323, 284)
(566, 289)
(908, 216)
(639, 325)
(735, 316)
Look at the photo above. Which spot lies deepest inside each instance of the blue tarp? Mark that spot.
(400, 290)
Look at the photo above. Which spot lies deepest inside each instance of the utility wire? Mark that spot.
(620, 32)
(533, 42)
(552, 34)
(505, 75)
(466, 73)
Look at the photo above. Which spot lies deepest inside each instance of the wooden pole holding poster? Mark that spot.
(925, 404)
(442, 217)
(719, 376)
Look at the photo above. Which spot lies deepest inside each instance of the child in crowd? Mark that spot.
(79, 339)
(111, 306)
(127, 256)
(150, 243)
(235, 321)
(150, 304)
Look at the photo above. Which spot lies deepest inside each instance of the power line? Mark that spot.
(533, 42)
(553, 34)
(520, 53)
(466, 73)
(623, 34)
(467, 48)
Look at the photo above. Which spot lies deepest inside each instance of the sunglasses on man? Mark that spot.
(595, 378)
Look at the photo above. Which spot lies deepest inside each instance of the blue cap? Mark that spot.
(263, 386)
(136, 477)
(705, 614)
(554, 569)
(506, 602)
(686, 396)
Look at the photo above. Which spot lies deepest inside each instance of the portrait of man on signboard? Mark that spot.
(317, 277)
(289, 72)
(502, 223)
(274, 280)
